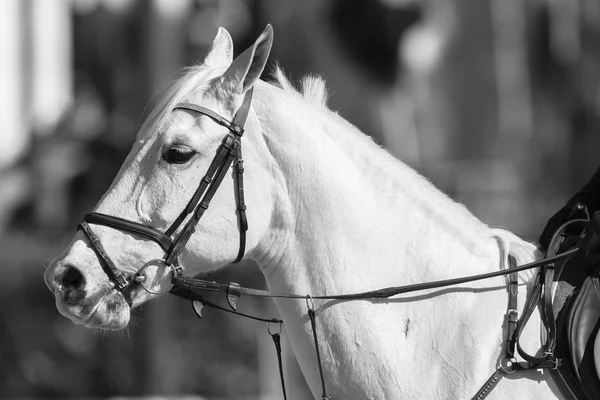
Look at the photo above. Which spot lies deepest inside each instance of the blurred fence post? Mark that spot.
(52, 69)
(13, 136)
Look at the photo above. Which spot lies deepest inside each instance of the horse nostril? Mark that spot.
(72, 278)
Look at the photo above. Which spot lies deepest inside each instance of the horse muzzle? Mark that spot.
(91, 305)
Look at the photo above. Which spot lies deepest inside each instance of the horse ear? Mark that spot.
(221, 51)
(247, 67)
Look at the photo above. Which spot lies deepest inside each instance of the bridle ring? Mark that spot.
(274, 322)
(141, 278)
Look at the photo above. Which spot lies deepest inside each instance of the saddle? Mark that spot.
(576, 309)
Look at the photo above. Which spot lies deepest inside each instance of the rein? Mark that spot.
(232, 289)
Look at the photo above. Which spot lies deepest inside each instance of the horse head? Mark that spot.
(94, 280)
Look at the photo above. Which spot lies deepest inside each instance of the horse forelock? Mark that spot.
(192, 79)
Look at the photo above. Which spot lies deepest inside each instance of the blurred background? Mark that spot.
(496, 101)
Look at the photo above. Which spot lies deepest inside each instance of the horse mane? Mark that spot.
(314, 92)
(313, 88)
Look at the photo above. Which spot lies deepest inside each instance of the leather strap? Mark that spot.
(217, 168)
(490, 384)
(216, 163)
(225, 157)
(232, 126)
(129, 226)
(277, 342)
(241, 203)
(313, 325)
(512, 316)
(200, 285)
(116, 275)
(530, 306)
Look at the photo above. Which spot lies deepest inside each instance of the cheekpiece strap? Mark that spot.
(115, 275)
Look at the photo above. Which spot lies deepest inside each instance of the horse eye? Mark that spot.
(178, 155)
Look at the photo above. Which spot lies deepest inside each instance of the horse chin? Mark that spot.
(109, 312)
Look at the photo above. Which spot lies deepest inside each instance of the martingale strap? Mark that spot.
(313, 325)
(276, 336)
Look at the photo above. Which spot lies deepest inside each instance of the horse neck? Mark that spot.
(353, 217)
(350, 218)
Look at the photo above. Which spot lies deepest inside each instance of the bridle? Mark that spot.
(229, 152)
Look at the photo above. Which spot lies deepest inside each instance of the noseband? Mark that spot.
(228, 153)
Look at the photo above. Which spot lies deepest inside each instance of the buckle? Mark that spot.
(507, 365)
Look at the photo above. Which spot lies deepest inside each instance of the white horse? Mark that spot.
(330, 212)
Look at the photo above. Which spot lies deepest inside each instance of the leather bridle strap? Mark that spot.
(132, 227)
(114, 274)
(241, 203)
(231, 145)
(228, 152)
